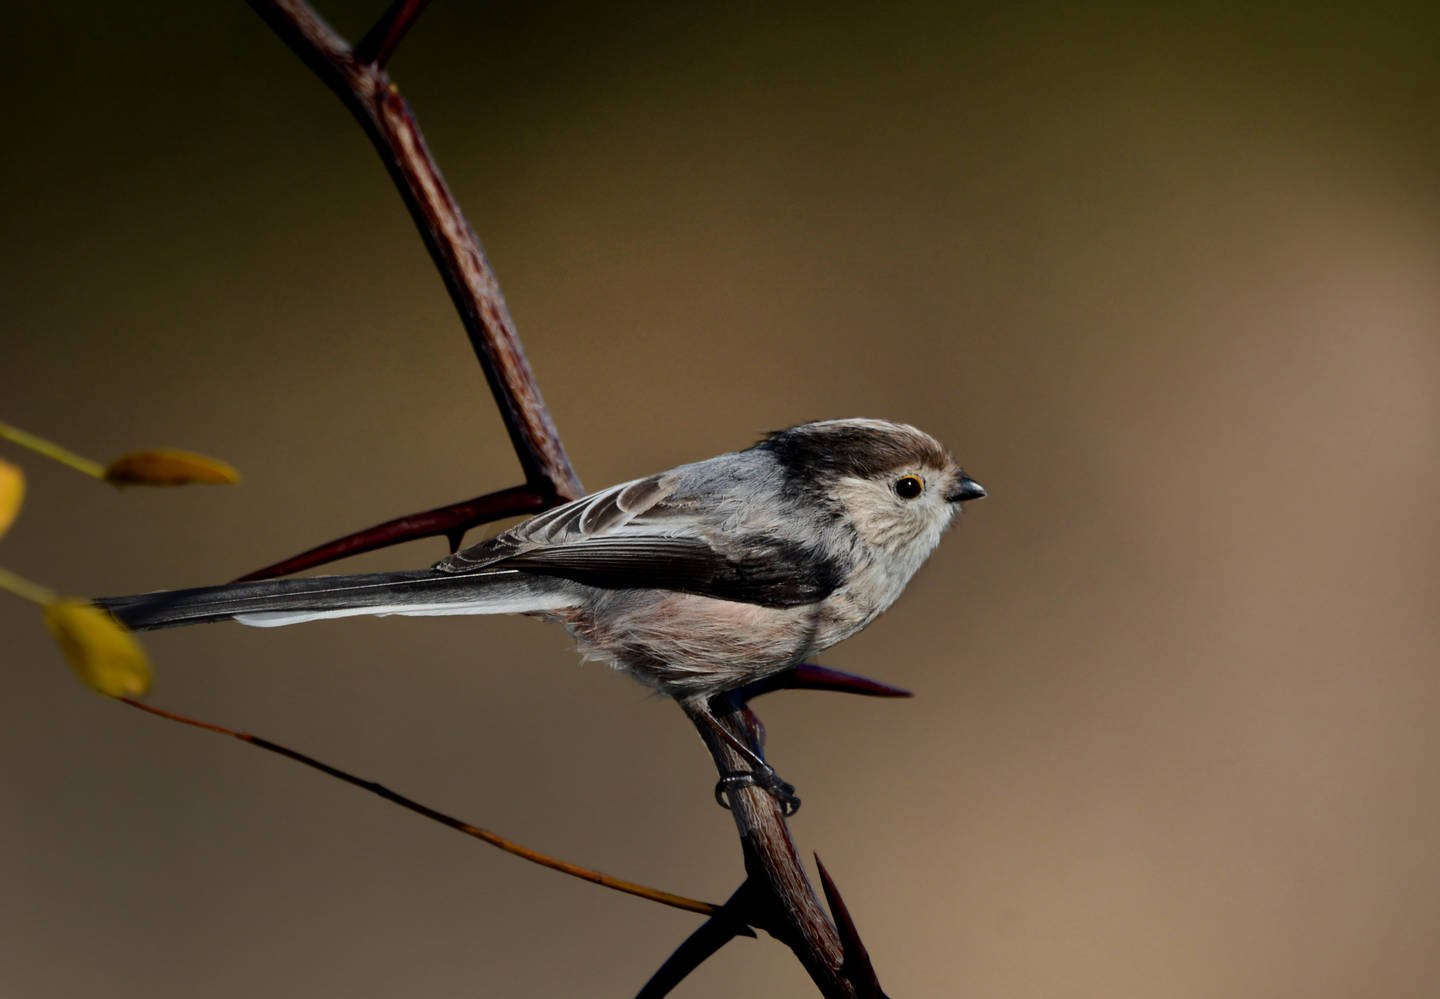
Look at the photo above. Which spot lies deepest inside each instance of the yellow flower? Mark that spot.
(12, 494)
(104, 655)
(168, 467)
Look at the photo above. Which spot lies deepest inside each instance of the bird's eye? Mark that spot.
(909, 486)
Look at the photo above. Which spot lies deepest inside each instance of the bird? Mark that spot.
(695, 581)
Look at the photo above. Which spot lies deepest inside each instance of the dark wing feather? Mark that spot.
(639, 535)
(774, 574)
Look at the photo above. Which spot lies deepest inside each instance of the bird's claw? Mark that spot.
(767, 780)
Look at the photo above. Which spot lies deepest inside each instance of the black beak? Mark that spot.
(966, 489)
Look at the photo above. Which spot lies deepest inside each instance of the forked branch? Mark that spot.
(365, 88)
(776, 896)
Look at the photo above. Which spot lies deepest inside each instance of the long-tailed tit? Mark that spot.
(694, 581)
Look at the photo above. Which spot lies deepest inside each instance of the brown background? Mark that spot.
(1165, 281)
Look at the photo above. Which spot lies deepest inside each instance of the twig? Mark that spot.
(380, 42)
(365, 89)
(722, 927)
(484, 835)
(50, 449)
(450, 522)
(26, 590)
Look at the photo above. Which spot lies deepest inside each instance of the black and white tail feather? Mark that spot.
(468, 582)
(274, 602)
(464, 583)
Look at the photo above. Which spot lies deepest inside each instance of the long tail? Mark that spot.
(272, 602)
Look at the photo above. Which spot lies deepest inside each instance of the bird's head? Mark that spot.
(897, 487)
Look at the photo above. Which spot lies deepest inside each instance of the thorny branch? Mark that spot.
(449, 521)
(365, 88)
(776, 895)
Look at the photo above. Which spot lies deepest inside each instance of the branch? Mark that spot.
(380, 42)
(724, 925)
(365, 89)
(782, 902)
(450, 521)
(484, 835)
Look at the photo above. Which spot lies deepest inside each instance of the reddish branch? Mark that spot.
(365, 88)
(450, 521)
(776, 895)
(380, 42)
(484, 835)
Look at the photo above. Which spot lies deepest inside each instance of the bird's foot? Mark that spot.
(767, 780)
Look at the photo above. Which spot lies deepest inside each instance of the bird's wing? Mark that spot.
(601, 514)
(642, 535)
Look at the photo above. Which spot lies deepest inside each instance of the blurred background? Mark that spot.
(1164, 278)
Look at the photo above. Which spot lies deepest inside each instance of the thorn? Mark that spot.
(446, 521)
(808, 676)
(856, 965)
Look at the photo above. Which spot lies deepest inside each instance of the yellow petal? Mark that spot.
(102, 652)
(12, 493)
(168, 467)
